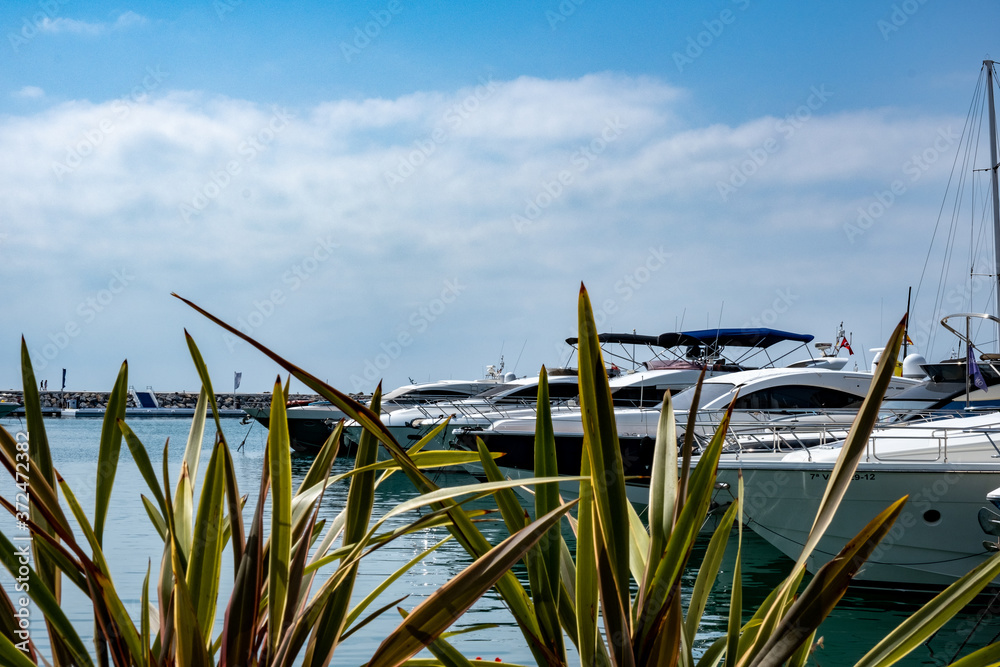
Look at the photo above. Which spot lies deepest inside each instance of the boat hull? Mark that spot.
(936, 539)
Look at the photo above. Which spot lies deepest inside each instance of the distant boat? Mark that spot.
(310, 423)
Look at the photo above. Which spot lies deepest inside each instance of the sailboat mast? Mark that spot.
(988, 64)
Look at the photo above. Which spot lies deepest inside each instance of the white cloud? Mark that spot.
(29, 93)
(61, 24)
(292, 222)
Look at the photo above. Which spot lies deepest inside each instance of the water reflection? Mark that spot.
(861, 619)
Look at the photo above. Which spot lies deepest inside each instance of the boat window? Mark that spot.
(530, 392)
(432, 394)
(499, 389)
(636, 397)
(710, 391)
(797, 397)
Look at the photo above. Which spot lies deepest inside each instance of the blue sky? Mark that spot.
(411, 190)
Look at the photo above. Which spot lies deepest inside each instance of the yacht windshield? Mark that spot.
(710, 391)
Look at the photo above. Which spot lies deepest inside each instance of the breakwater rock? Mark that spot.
(99, 399)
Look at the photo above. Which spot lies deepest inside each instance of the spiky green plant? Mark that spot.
(280, 611)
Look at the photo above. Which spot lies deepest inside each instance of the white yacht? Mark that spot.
(311, 423)
(786, 408)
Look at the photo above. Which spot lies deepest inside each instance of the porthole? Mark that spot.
(932, 517)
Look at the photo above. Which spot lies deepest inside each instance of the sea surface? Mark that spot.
(132, 546)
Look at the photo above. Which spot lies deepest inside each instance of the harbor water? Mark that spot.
(132, 547)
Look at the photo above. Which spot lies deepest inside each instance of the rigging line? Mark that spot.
(514, 370)
(972, 631)
(967, 128)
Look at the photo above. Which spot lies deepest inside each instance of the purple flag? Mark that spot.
(974, 372)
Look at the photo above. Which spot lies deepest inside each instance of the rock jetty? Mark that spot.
(184, 399)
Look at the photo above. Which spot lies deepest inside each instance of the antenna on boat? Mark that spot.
(906, 332)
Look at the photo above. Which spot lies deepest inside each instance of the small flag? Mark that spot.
(847, 346)
(909, 341)
(974, 372)
(236, 381)
(64, 379)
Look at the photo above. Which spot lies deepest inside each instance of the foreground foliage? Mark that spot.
(293, 579)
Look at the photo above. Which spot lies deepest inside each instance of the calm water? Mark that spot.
(859, 622)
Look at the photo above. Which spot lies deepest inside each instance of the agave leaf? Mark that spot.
(243, 609)
(189, 642)
(319, 470)
(141, 458)
(514, 516)
(664, 581)
(592, 649)
(142, 660)
(196, 434)
(42, 473)
(988, 655)
(606, 469)
(639, 545)
(915, 630)
(234, 520)
(360, 499)
(9, 626)
(471, 539)
(840, 478)
(385, 583)
(433, 616)
(206, 383)
(12, 656)
(100, 579)
(443, 651)
(473, 491)
(155, 517)
(183, 526)
(46, 602)
(613, 613)
(715, 653)
(50, 545)
(707, 572)
(663, 481)
(547, 495)
(825, 590)
(855, 444)
(206, 552)
(108, 454)
(280, 542)
(736, 597)
(801, 657)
